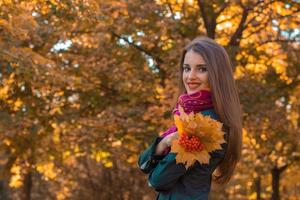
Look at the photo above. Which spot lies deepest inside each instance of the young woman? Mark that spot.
(206, 86)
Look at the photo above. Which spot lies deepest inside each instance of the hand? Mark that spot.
(165, 142)
(169, 138)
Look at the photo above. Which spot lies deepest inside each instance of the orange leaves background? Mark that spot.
(85, 85)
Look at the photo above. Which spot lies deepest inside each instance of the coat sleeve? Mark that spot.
(164, 172)
(148, 160)
(167, 173)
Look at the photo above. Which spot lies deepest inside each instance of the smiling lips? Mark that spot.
(193, 85)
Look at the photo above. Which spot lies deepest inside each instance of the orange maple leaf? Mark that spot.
(208, 130)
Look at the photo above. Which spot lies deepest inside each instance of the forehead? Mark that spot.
(193, 58)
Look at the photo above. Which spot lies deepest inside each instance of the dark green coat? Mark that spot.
(172, 181)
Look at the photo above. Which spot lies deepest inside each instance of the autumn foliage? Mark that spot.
(86, 85)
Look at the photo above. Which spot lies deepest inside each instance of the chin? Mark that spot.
(197, 90)
(192, 91)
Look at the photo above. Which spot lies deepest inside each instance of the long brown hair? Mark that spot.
(225, 100)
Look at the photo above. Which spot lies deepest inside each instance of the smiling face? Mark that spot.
(195, 75)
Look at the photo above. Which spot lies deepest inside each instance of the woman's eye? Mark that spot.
(186, 69)
(202, 69)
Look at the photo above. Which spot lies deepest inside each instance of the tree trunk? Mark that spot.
(27, 186)
(3, 189)
(258, 187)
(275, 182)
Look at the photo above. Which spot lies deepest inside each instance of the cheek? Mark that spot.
(184, 77)
(205, 78)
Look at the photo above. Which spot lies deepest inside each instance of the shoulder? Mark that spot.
(210, 112)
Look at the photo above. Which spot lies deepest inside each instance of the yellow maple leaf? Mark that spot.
(208, 130)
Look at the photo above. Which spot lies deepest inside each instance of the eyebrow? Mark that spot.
(199, 65)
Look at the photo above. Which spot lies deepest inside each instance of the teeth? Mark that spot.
(193, 85)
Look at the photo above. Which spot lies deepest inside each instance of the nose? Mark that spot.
(192, 74)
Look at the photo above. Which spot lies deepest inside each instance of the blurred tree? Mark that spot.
(87, 84)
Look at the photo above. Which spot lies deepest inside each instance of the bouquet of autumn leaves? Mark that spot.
(197, 136)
